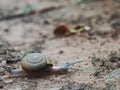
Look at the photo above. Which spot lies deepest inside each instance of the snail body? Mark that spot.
(36, 63)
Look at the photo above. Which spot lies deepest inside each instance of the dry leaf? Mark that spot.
(62, 30)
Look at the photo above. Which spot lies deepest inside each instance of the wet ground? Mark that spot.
(97, 48)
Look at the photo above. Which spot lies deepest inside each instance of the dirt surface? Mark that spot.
(98, 49)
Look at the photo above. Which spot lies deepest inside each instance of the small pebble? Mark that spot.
(87, 28)
(97, 62)
(13, 60)
(9, 80)
(47, 21)
(57, 88)
(18, 88)
(60, 52)
(1, 59)
(2, 70)
(1, 83)
(6, 30)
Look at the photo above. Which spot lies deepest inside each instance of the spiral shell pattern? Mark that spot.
(34, 62)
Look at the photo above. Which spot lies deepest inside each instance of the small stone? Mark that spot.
(3, 63)
(18, 88)
(96, 73)
(97, 62)
(1, 83)
(112, 87)
(12, 60)
(3, 52)
(1, 59)
(61, 52)
(6, 30)
(47, 21)
(2, 70)
(8, 80)
(87, 28)
(112, 77)
(56, 88)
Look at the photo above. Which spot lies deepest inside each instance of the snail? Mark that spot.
(36, 63)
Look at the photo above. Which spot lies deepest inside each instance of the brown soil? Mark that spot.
(99, 51)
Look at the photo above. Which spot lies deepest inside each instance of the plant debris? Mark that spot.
(64, 30)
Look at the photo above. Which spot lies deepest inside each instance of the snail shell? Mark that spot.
(35, 62)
